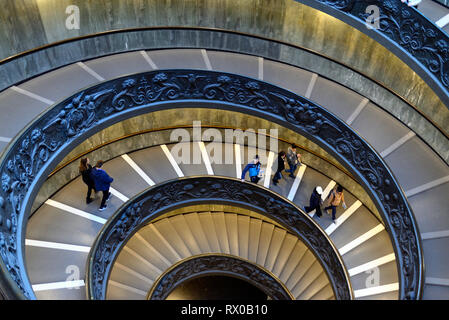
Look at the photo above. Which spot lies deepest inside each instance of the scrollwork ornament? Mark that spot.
(219, 264)
(407, 28)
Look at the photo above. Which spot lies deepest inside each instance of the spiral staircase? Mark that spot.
(216, 232)
(60, 233)
(360, 237)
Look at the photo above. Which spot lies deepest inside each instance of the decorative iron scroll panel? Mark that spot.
(217, 264)
(37, 150)
(187, 191)
(404, 27)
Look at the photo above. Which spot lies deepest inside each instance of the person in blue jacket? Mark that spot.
(102, 183)
(254, 170)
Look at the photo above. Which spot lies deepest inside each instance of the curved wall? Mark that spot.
(33, 23)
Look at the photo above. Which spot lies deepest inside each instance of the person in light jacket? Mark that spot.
(102, 183)
(335, 198)
(293, 160)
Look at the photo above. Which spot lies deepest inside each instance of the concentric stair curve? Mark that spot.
(65, 221)
(270, 246)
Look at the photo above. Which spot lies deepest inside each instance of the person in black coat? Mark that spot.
(281, 167)
(315, 202)
(86, 172)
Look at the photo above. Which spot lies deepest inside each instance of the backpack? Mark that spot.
(254, 170)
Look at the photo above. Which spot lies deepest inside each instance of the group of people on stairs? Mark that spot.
(334, 199)
(293, 159)
(98, 180)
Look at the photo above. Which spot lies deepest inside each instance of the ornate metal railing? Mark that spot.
(211, 264)
(167, 196)
(401, 29)
(34, 153)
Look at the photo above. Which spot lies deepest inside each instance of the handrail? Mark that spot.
(403, 30)
(156, 200)
(32, 155)
(218, 264)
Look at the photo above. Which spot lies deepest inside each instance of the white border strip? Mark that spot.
(206, 59)
(123, 286)
(260, 63)
(172, 160)
(149, 60)
(206, 159)
(75, 211)
(426, 186)
(348, 212)
(435, 235)
(5, 139)
(297, 182)
(118, 194)
(376, 290)
(139, 170)
(270, 160)
(444, 21)
(371, 265)
(397, 144)
(238, 161)
(90, 71)
(328, 189)
(58, 285)
(32, 95)
(357, 111)
(437, 281)
(358, 241)
(311, 86)
(56, 245)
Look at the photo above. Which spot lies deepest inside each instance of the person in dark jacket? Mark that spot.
(293, 160)
(281, 167)
(102, 183)
(86, 172)
(254, 170)
(315, 202)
